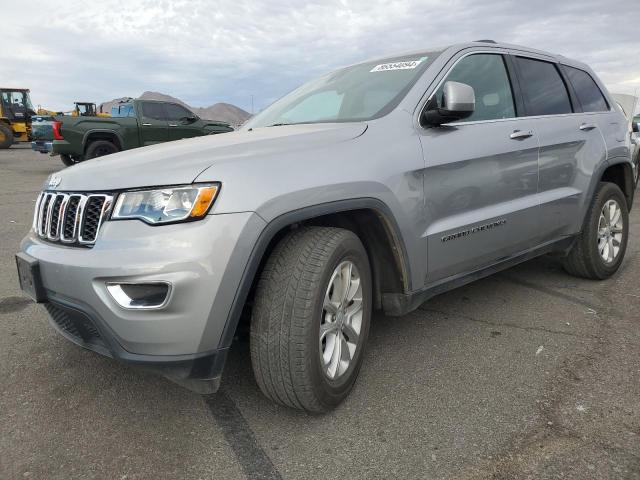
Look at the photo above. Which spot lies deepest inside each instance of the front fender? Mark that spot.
(269, 232)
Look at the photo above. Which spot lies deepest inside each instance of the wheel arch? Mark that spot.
(620, 172)
(616, 170)
(370, 218)
(101, 134)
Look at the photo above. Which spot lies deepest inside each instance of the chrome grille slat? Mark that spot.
(42, 216)
(56, 206)
(37, 211)
(71, 218)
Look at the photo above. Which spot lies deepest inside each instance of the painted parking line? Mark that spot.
(252, 458)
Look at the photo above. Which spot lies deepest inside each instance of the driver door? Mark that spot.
(182, 122)
(481, 176)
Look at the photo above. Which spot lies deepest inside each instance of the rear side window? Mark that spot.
(177, 112)
(487, 74)
(587, 90)
(153, 110)
(543, 89)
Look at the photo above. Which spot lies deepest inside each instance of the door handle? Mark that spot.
(173, 125)
(587, 126)
(519, 134)
(146, 125)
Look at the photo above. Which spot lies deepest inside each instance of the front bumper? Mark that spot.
(203, 261)
(42, 146)
(78, 323)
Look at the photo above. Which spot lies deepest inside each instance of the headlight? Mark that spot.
(166, 205)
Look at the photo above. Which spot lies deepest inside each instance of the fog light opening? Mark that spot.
(140, 296)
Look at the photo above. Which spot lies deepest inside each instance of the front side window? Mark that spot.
(487, 74)
(177, 112)
(587, 91)
(153, 110)
(543, 89)
(357, 93)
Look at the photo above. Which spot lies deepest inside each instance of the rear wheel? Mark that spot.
(6, 136)
(311, 318)
(600, 248)
(100, 148)
(68, 160)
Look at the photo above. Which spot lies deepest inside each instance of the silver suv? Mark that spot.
(376, 186)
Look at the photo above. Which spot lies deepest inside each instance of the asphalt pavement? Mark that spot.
(527, 374)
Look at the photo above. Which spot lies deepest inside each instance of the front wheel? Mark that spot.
(311, 318)
(599, 249)
(6, 136)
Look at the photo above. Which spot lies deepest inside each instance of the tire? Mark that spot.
(68, 160)
(6, 136)
(289, 309)
(100, 148)
(586, 258)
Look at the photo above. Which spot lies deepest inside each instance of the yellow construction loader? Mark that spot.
(87, 109)
(15, 116)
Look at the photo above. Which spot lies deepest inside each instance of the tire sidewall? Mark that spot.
(96, 145)
(332, 392)
(607, 192)
(8, 133)
(67, 160)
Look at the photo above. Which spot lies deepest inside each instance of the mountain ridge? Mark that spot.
(221, 111)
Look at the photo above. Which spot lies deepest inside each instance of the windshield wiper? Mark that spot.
(279, 124)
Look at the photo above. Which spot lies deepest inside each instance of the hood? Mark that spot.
(180, 162)
(628, 104)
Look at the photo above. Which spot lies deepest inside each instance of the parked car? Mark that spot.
(635, 141)
(374, 187)
(628, 105)
(42, 133)
(146, 122)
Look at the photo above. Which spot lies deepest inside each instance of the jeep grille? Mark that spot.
(71, 218)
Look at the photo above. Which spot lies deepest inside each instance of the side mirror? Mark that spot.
(189, 119)
(634, 127)
(459, 101)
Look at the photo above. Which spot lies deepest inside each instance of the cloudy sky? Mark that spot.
(205, 52)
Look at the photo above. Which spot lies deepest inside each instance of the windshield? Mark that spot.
(357, 93)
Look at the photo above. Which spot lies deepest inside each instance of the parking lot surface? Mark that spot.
(529, 373)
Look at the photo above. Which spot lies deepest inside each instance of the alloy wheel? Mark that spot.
(610, 231)
(341, 322)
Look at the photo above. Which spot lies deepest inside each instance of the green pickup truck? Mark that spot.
(133, 124)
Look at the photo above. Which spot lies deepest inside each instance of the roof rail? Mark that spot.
(486, 41)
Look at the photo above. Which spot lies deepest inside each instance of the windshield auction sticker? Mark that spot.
(408, 65)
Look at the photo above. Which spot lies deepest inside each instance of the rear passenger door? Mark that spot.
(481, 174)
(571, 145)
(154, 126)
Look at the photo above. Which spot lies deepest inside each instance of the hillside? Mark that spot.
(220, 111)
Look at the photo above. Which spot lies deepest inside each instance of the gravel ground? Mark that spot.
(527, 374)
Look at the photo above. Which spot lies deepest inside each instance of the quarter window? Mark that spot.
(543, 89)
(153, 110)
(587, 90)
(487, 74)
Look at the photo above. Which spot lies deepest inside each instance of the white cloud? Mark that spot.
(205, 51)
